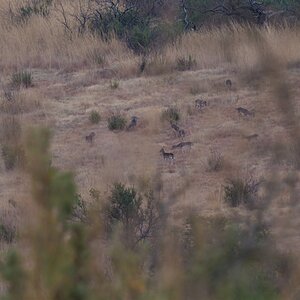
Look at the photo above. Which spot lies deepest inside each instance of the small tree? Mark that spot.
(137, 216)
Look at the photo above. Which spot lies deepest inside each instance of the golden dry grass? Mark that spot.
(69, 84)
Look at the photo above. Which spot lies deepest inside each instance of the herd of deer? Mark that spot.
(199, 105)
(179, 132)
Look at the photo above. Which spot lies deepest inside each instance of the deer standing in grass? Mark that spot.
(133, 123)
(89, 138)
(200, 103)
(167, 155)
(180, 132)
(228, 83)
(183, 145)
(245, 112)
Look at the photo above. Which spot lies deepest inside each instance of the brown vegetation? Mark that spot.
(75, 79)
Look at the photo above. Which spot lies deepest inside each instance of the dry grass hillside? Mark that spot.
(223, 103)
(68, 84)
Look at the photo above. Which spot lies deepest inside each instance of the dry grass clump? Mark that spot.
(186, 64)
(11, 147)
(171, 114)
(18, 102)
(22, 79)
(94, 117)
(10, 129)
(215, 161)
(241, 191)
(233, 44)
(42, 43)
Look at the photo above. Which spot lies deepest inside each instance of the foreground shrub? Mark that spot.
(137, 215)
(241, 191)
(116, 122)
(226, 260)
(211, 258)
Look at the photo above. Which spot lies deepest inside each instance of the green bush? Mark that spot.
(139, 39)
(138, 216)
(22, 79)
(94, 117)
(13, 273)
(171, 114)
(137, 26)
(116, 122)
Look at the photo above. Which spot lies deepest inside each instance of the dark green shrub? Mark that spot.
(13, 273)
(240, 191)
(135, 25)
(138, 216)
(140, 38)
(94, 117)
(116, 122)
(22, 79)
(171, 114)
(11, 130)
(185, 64)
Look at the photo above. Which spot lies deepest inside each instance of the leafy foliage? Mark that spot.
(116, 122)
(13, 273)
(137, 216)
